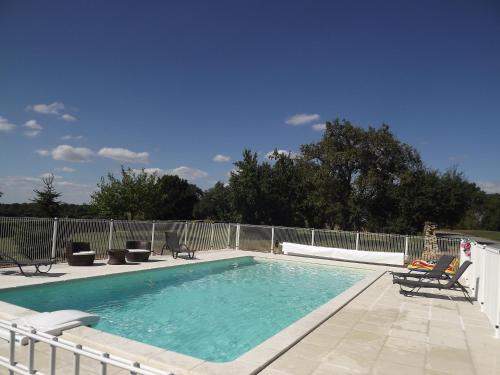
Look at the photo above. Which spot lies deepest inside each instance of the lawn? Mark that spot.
(487, 234)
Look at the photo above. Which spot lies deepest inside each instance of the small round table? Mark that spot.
(117, 256)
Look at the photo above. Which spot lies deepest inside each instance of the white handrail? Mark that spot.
(135, 368)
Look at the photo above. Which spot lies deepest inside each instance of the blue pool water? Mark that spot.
(214, 311)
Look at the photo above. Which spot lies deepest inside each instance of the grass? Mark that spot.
(487, 234)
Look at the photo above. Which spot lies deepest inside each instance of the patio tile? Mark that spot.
(383, 367)
(402, 356)
(341, 361)
(295, 365)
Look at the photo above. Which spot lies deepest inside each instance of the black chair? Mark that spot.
(451, 284)
(41, 265)
(438, 272)
(172, 244)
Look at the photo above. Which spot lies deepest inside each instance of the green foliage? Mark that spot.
(215, 204)
(46, 200)
(177, 198)
(140, 195)
(131, 196)
(353, 179)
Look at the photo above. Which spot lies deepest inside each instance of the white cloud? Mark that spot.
(187, 173)
(20, 189)
(235, 171)
(221, 158)
(71, 137)
(34, 128)
(292, 154)
(122, 154)
(68, 117)
(319, 127)
(42, 152)
(47, 109)
(33, 125)
(302, 118)
(31, 133)
(48, 174)
(70, 153)
(490, 187)
(66, 169)
(5, 125)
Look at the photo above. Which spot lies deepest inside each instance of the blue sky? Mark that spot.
(89, 85)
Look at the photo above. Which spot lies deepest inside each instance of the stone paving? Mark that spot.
(379, 332)
(384, 332)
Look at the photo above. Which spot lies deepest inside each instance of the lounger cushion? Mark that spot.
(85, 253)
(138, 251)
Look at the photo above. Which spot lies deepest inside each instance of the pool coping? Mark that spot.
(250, 362)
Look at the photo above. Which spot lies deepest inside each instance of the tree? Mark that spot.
(134, 195)
(245, 185)
(177, 198)
(354, 173)
(215, 204)
(46, 200)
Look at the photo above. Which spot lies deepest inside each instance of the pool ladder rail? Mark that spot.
(78, 350)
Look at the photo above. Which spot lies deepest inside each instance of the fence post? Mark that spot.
(312, 237)
(153, 237)
(272, 239)
(482, 283)
(237, 236)
(211, 236)
(357, 240)
(228, 236)
(185, 232)
(54, 238)
(497, 322)
(406, 247)
(110, 240)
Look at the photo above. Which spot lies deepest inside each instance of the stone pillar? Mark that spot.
(431, 250)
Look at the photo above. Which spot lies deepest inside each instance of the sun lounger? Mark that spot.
(53, 323)
(41, 265)
(172, 244)
(438, 272)
(451, 284)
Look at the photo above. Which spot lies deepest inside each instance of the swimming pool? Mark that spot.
(215, 311)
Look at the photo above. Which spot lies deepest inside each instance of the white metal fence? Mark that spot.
(42, 238)
(104, 360)
(483, 278)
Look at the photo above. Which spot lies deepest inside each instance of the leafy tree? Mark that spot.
(245, 182)
(134, 195)
(46, 200)
(215, 204)
(177, 198)
(354, 173)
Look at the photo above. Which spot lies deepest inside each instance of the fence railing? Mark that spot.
(42, 238)
(483, 278)
(32, 366)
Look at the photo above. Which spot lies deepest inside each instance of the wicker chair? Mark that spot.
(138, 251)
(79, 254)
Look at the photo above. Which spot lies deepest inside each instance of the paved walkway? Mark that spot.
(383, 332)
